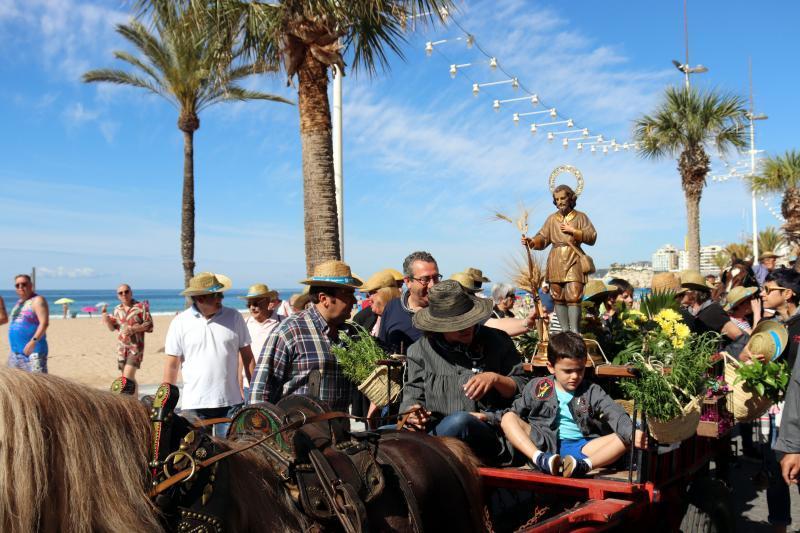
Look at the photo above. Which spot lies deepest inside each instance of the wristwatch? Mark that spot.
(34, 339)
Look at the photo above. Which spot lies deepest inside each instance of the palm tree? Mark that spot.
(179, 62)
(308, 38)
(769, 239)
(684, 125)
(781, 174)
(722, 260)
(738, 250)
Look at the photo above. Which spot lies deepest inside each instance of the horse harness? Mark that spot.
(329, 472)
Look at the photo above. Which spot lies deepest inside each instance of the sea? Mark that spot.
(162, 301)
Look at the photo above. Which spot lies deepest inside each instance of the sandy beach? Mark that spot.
(84, 350)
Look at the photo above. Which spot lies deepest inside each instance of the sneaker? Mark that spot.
(574, 467)
(549, 463)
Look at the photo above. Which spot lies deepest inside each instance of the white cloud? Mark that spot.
(61, 272)
(77, 114)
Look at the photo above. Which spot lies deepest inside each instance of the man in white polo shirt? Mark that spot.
(204, 342)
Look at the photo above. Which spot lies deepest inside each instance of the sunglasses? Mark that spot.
(20, 285)
(777, 288)
(256, 303)
(123, 292)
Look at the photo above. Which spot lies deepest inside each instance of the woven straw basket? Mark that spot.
(378, 385)
(744, 403)
(677, 429)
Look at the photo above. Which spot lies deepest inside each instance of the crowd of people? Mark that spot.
(464, 376)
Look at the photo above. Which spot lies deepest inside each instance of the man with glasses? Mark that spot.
(26, 332)
(261, 322)
(297, 357)
(205, 342)
(132, 320)
(421, 274)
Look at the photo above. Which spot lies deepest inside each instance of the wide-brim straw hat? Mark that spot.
(259, 290)
(737, 295)
(769, 338)
(477, 275)
(767, 254)
(301, 299)
(596, 290)
(207, 283)
(379, 280)
(665, 282)
(332, 274)
(396, 274)
(451, 308)
(467, 282)
(694, 281)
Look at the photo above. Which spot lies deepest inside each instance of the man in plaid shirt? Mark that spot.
(300, 346)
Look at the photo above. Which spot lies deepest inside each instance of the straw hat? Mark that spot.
(207, 283)
(477, 275)
(665, 282)
(450, 308)
(694, 281)
(396, 274)
(737, 295)
(596, 290)
(379, 280)
(767, 254)
(332, 274)
(259, 290)
(300, 300)
(768, 339)
(467, 282)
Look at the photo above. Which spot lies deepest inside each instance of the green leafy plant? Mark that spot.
(672, 364)
(527, 343)
(768, 379)
(357, 355)
(656, 301)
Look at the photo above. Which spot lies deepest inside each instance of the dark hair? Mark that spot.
(571, 196)
(26, 276)
(787, 278)
(566, 345)
(416, 256)
(621, 284)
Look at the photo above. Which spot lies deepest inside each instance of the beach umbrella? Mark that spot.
(89, 309)
(62, 301)
(101, 305)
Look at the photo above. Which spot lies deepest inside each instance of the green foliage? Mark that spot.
(778, 173)
(657, 301)
(527, 343)
(357, 355)
(768, 379)
(672, 366)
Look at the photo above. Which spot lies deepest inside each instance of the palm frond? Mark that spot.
(121, 77)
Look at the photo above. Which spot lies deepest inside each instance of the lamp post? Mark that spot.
(685, 67)
(752, 118)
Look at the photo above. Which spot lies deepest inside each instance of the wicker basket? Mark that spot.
(743, 402)
(679, 428)
(382, 387)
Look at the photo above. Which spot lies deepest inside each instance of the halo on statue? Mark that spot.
(572, 170)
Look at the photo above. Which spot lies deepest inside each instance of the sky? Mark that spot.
(90, 175)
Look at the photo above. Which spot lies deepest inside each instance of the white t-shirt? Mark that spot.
(284, 309)
(259, 331)
(209, 352)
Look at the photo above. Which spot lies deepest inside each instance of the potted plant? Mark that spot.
(358, 357)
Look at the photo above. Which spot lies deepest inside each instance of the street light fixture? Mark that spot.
(686, 69)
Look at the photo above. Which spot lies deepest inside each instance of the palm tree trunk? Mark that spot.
(319, 189)
(693, 229)
(187, 203)
(693, 165)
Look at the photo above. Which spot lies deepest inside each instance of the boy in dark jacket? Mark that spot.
(558, 420)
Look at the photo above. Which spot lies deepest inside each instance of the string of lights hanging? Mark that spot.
(543, 118)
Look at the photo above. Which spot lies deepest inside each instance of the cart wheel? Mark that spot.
(709, 509)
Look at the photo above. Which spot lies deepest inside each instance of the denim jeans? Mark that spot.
(478, 435)
(220, 430)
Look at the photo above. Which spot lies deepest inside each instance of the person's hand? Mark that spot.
(530, 321)
(640, 439)
(418, 420)
(747, 356)
(567, 228)
(755, 305)
(105, 309)
(479, 384)
(790, 468)
(28, 349)
(480, 416)
(527, 242)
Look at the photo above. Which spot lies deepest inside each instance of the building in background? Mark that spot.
(665, 259)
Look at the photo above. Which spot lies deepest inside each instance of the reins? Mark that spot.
(194, 466)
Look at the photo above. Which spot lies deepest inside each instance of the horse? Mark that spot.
(76, 459)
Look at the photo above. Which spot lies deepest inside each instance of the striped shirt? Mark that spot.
(298, 346)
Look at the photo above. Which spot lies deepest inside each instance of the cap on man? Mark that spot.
(297, 357)
(205, 342)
